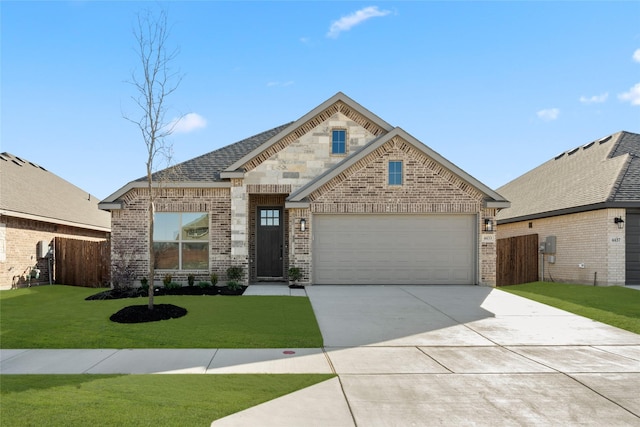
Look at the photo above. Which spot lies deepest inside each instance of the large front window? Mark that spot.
(181, 241)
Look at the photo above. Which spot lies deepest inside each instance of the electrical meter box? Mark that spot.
(550, 245)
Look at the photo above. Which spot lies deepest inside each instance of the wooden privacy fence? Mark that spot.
(517, 260)
(82, 262)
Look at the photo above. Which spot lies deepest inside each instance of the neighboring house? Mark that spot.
(339, 193)
(35, 207)
(589, 199)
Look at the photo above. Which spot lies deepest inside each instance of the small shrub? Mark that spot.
(204, 284)
(295, 274)
(144, 284)
(214, 278)
(234, 286)
(191, 278)
(167, 279)
(234, 274)
(172, 285)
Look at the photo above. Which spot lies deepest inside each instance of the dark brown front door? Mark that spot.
(269, 238)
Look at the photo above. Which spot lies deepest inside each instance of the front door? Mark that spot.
(269, 246)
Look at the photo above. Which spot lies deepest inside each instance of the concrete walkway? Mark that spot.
(414, 355)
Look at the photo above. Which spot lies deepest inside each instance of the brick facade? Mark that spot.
(287, 165)
(130, 228)
(590, 248)
(22, 237)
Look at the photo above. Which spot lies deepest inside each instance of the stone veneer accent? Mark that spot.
(337, 115)
(303, 159)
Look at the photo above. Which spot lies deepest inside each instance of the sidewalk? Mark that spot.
(414, 355)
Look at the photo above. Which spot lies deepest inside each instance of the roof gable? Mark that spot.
(599, 172)
(439, 164)
(339, 103)
(30, 191)
(200, 171)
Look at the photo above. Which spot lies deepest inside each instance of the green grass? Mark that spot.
(138, 400)
(59, 317)
(614, 305)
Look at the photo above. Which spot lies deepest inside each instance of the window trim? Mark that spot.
(346, 139)
(395, 173)
(181, 241)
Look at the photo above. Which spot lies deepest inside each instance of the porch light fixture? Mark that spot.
(619, 222)
(488, 224)
(303, 224)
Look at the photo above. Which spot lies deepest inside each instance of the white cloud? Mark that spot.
(548, 114)
(347, 22)
(188, 123)
(633, 95)
(280, 84)
(636, 55)
(596, 99)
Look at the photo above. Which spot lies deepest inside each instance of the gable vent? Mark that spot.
(605, 139)
(584, 147)
(559, 156)
(570, 152)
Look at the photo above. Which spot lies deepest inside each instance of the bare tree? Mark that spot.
(153, 82)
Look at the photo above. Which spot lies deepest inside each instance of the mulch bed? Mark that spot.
(185, 290)
(142, 314)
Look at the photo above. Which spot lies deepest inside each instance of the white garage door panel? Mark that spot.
(394, 249)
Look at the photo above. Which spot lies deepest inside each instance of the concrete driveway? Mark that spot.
(459, 355)
(411, 356)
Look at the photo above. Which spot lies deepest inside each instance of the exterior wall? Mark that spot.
(239, 225)
(427, 188)
(589, 246)
(130, 234)
(300, 243)
(21, 241)
(310, 155)
(487, 248)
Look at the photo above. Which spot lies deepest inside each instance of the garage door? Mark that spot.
(394, 249)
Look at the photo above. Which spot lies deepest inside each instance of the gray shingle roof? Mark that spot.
(207, 167)
(29, 190)
(603, 171)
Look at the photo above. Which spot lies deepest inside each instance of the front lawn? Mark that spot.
(59, 317)
(614, 305)
(137, 400)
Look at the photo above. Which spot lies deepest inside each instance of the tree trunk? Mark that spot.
(151, 251)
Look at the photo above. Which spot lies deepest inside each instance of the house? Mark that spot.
(35, 207)
(339, 193)
(586, 203)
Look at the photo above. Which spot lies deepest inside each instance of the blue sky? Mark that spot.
(495, 87)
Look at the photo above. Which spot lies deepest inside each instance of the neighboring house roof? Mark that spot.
(492, 200)
(29, 191)
(602, 173)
